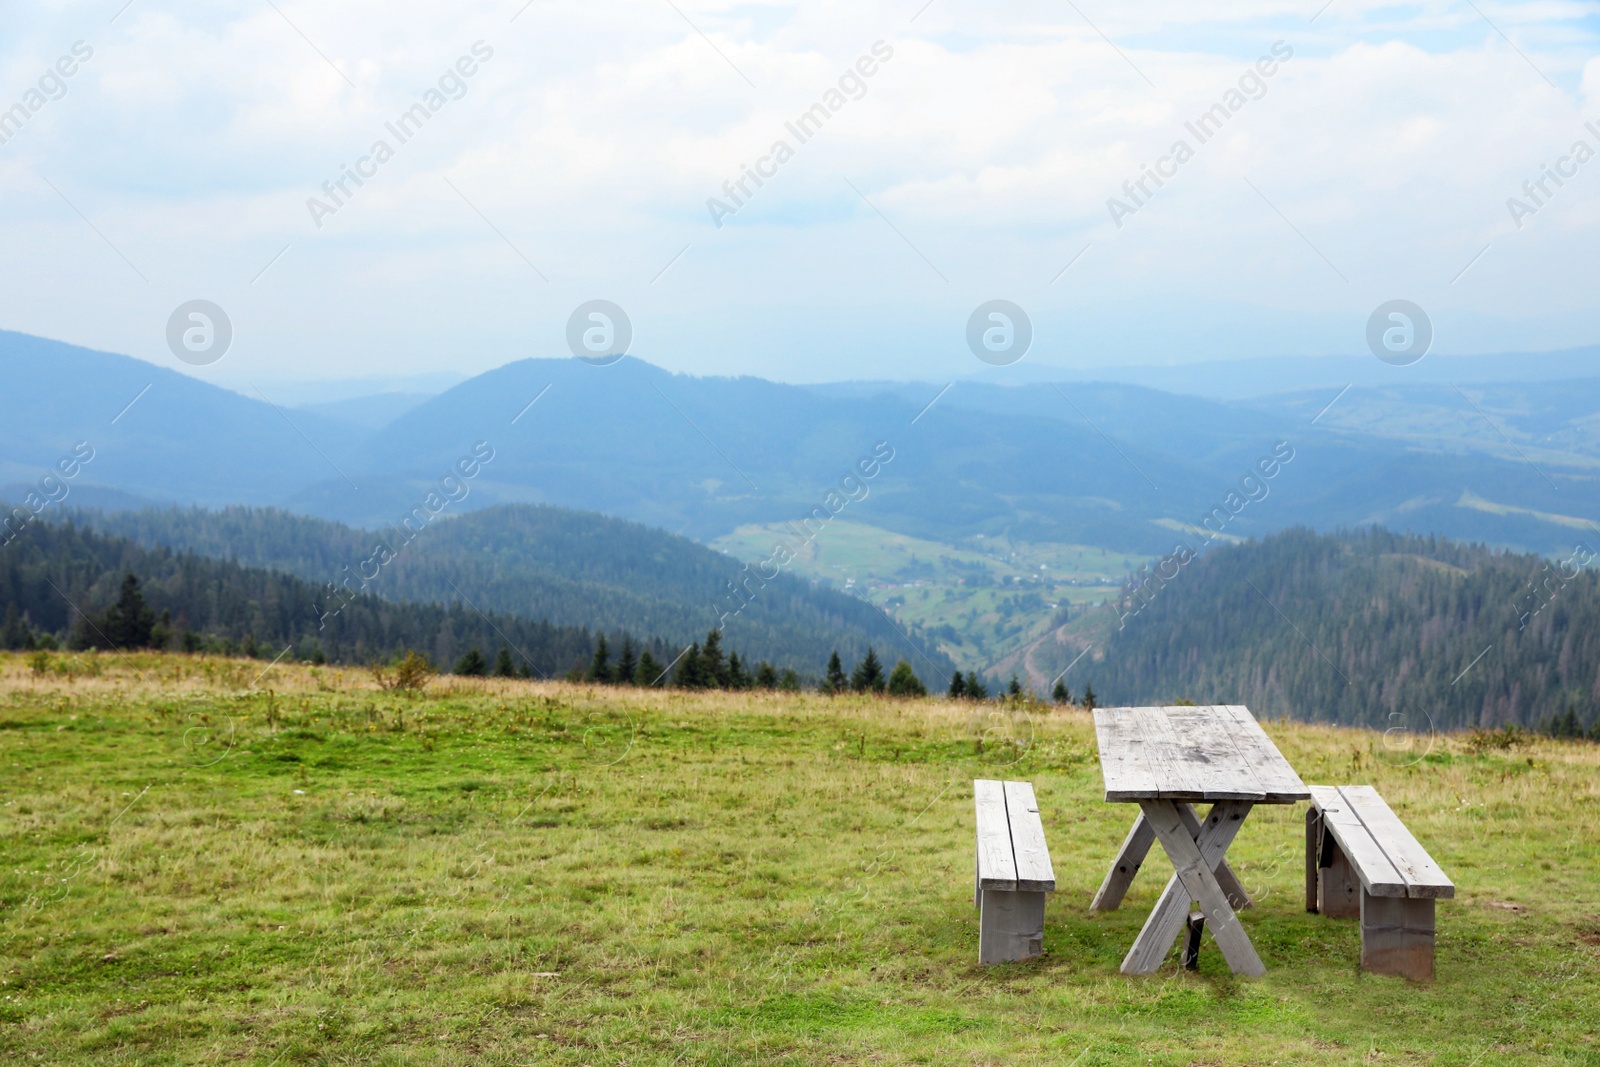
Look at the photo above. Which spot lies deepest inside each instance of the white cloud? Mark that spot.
(991, 142)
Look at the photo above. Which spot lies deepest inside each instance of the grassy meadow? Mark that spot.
(205, 864)
(984, 600)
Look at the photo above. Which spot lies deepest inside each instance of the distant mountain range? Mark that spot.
(1119, 466)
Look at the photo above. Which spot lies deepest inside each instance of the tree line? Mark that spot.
(62, 585)
(572, 568)
(66, 586)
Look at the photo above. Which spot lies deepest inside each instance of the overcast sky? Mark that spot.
(576, 161)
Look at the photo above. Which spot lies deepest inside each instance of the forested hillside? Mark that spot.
(63, 581)
(566, 567)
(1370, 628)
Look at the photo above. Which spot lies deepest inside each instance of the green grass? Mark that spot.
(198, 871)
(997, 595)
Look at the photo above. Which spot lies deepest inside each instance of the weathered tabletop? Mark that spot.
(1165, 758)
(1210, 752)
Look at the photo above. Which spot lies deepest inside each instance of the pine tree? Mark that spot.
(503, 666)
(1088, 698)
(128, 623)
(903, 682)
(975, 687)
(627, 665)
(1015, 688)
(648, 671)
(958, 687)
(600, 668)
(713, 668)
(472, 664)
(738, 677)
(766, 676)
(835, 682)
(161, 633)
(868, 675)
(1060, 694)
(16, 632)
(689, 673)
(789, 682)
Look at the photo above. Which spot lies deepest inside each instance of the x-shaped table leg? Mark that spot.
(1193, 861)
(1131, 856)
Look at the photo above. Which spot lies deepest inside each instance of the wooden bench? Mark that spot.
(1013, 872)
(1362, 861)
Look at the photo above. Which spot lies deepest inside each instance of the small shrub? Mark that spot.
(1501, 740)
(39, 662)
(408, 673)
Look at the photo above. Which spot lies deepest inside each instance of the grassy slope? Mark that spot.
(528, 872)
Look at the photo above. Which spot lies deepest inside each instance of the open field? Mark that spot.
(199, 870)
(983, 599)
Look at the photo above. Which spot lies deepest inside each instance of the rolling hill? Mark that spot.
(1369, 628)
(544, 563)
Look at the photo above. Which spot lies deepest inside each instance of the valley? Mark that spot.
(981, 600)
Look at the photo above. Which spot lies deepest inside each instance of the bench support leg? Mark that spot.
(1313, 849)
(1338, 885)
(1397, 936)
(1010, 926)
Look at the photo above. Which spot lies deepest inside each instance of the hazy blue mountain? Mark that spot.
(181, 439)
(1113, 465)
(1239, 379)
(1558, 420)
(367, 412)
(1092, 463)
(701, 455)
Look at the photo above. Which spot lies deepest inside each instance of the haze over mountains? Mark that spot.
(1114, 465)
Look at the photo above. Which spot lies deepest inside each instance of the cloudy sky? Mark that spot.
(179, 161)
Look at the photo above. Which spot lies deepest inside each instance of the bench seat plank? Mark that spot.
(997, 866)
(1422, 876)
(1378, 875)
(1033, 871)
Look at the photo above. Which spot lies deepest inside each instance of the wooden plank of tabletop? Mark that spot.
(1123, 764)
(997, 867)
(1175, 775)
(1205, 735)
(1422, 876)
(1278, 779)
(1034, 873)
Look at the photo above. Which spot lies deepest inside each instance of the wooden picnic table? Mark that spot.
(1165, 759)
